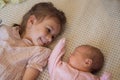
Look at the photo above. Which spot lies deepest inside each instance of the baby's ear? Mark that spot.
(88, 62)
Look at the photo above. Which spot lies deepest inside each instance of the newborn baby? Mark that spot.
(83, 62)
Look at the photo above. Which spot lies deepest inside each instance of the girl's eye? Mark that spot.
(53, 37)
(48, 30)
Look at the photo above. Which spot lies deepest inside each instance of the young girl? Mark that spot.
(22, 51)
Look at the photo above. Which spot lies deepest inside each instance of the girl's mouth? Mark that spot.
(40, 42)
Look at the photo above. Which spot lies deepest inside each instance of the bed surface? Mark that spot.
(94, 22)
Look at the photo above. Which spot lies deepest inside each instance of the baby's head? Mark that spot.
(87, 58)
(42, 23)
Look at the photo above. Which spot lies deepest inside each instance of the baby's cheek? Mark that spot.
(72, 61)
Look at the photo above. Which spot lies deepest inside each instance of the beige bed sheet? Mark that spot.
(94, 22)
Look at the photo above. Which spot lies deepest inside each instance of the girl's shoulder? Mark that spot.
(8, 32)
(4, 32)
(4, 26)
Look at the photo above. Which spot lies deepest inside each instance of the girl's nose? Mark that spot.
(49, 38)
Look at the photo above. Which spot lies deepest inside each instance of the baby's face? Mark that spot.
(78, 57)
(42, 33)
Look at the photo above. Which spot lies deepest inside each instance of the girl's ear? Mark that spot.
(32, 20)
(88, 62)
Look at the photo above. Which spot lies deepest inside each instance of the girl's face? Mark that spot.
(42, 33)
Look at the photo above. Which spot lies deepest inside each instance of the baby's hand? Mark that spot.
(60, 45)
(105, 76)
(59, 48)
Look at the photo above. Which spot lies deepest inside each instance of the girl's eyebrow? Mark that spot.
(49, 26)
(52, 30)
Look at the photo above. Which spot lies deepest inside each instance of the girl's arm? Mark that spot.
(31, 74)
(36, 63)
(56, 55)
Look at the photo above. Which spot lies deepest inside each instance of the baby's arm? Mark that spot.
(55, 56)
(105, 76)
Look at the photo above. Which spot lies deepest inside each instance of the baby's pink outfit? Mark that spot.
(60, 70)
(15, 56)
